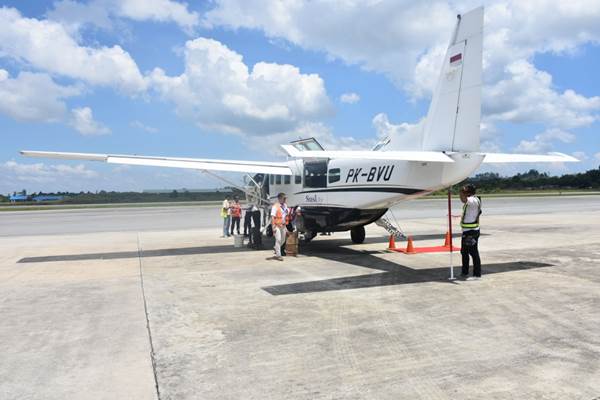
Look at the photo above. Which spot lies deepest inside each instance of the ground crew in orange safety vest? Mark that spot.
(280, 215)
(236, 214)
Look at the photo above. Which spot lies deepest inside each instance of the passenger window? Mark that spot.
(271, 179)
(298, 179)
(287, 179)
(334, 175)
(278, 179)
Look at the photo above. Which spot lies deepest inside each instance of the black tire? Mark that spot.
(269, 231)
(358, 234)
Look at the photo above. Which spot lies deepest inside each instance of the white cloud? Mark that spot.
(74, 15)
(543, 142)
(219, 92)
(350, 98)
(47, 45)
(33, 97)
(411, 37)
(159, 10)
(40, 172)
(140, 125)
(403, 136)
(597, 156)
(527, 95)
(82, 120)
(100, 13)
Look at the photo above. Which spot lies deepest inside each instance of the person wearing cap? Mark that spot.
(469, 223)
(279, 220)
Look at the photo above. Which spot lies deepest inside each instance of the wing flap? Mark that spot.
(527, 158)
(423, 156)
(172, 162)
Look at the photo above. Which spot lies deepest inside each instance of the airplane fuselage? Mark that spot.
(338, 194)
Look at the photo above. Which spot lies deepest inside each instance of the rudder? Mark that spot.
(453, 119)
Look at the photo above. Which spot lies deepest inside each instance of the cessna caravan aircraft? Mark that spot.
(346, 190)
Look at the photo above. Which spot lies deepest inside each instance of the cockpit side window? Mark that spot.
(334, 175)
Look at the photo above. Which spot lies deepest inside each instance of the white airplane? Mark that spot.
(346, 190)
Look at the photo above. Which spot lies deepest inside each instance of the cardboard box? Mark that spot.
(291, 244)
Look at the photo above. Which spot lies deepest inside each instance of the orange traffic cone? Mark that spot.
(409, 246)
(392, 245)
(448, 240)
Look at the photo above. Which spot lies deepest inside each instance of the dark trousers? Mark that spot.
(235, 221)
(247, 222)
(468, 244)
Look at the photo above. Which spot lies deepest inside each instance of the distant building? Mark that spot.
(47, 197)
(16, 197)
(184, 190)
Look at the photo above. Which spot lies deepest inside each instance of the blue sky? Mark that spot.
(233, 79)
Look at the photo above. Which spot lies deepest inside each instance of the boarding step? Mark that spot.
(392, 230)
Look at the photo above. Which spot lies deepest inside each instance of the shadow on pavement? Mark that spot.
(401, 276)
(134, 254)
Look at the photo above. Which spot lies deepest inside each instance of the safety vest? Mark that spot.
(277, 219)
(470, 225)
(236, 210)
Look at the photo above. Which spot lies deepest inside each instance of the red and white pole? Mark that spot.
(450, 231)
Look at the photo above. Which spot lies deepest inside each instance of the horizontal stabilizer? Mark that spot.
(527, 158)
(188, 163)
(423, 156)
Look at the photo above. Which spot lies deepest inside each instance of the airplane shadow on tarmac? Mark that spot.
(183, 251)
(394, 273)
(330, 249)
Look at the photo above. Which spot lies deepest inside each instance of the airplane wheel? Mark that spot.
(269, 231)
(358, 234)
(308, 236)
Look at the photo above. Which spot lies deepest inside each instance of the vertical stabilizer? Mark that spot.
(455, 111)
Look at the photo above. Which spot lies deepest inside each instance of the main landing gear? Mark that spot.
(358, 234)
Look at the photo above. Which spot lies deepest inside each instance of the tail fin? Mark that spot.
(455, 112)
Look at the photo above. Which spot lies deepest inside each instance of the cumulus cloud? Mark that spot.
(219, 92)
(543, 142)
(100, 13)
(350, 98)
(40, 172)
(82, 120)
(528, 95)
(402, 136)
(140, 125)
(47, 45)
(159, 10)
(411, 38)
(33, 97)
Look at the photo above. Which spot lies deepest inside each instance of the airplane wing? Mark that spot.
(526, 158)
(189, 163)
(425, 156)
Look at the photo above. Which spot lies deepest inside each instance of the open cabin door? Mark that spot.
(315, 182)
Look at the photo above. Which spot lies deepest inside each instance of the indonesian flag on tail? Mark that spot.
(456, 59)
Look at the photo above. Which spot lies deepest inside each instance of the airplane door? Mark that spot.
(315, 178)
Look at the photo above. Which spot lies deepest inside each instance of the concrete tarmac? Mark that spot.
(145, 304)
